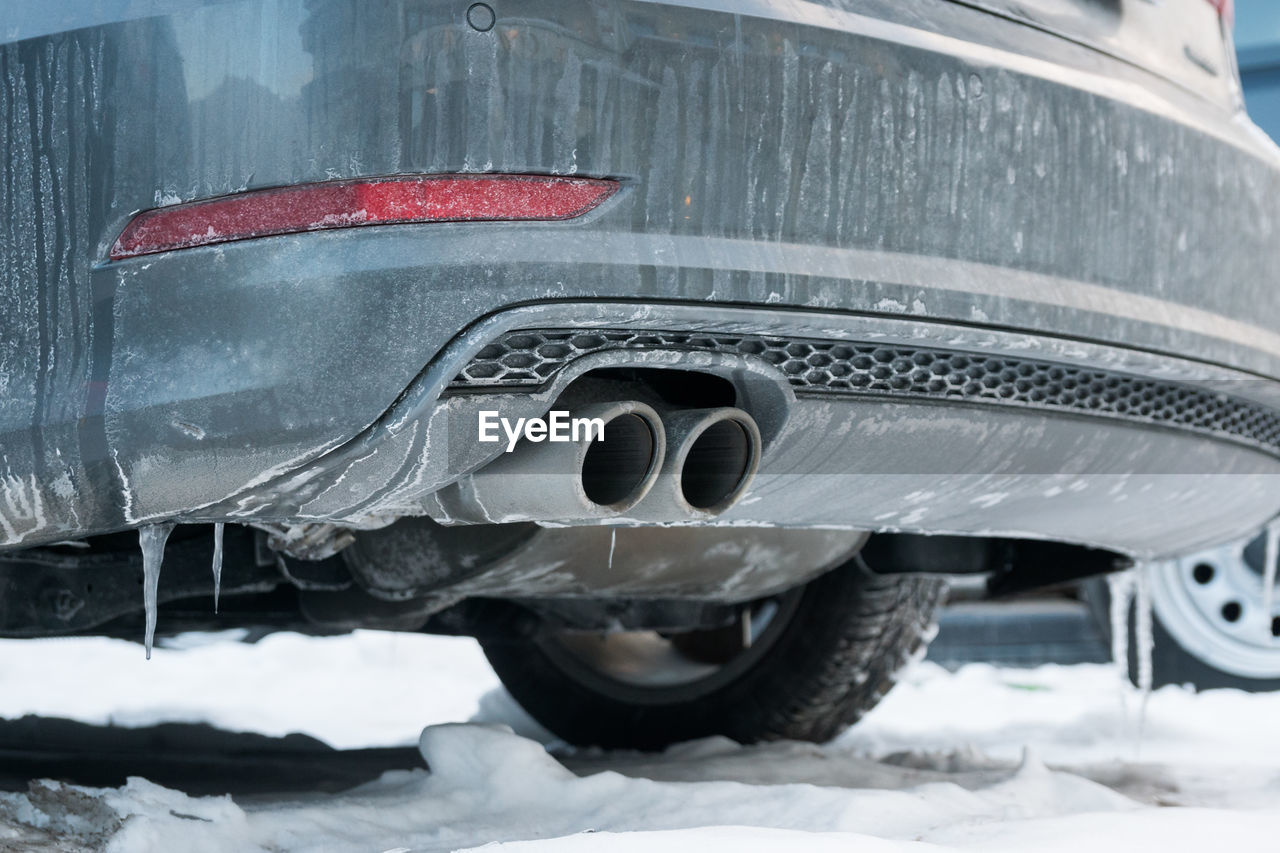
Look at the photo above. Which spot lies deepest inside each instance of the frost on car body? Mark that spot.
(810, 262)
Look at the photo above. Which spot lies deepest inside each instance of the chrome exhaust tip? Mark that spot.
(720, 460)
(617, 470)
(712, 458)
(600, 474)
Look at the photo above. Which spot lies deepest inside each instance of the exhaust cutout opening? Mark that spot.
(616, 467)
(718, 465)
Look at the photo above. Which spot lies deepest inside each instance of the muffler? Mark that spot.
(712, 457)
(595, 476)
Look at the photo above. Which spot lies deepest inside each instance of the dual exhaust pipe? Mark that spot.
(683, 465)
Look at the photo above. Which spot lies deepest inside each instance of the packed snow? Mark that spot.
(981, 759)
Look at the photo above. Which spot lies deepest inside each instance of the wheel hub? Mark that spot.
(1212, 604)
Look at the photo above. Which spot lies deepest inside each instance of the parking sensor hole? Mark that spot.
(1231, 611)
(1203, 573)
(481, 17)
(718, 461)
(616, 465)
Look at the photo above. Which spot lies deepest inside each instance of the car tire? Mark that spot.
(830, 650)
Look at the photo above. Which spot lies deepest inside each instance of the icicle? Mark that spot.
(1144, 640)
(1121, 586)
(613, 542)
(1144, 644)
(1270, 557)
(152, 538)
(217, 562)
(1132, 590)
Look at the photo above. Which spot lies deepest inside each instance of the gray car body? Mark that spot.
(1082, 187)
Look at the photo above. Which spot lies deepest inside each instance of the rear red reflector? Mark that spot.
(1226, 9)
(344, 204)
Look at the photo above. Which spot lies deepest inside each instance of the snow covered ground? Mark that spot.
(983, 759)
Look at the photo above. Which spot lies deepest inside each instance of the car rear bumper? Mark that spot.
(930, 168)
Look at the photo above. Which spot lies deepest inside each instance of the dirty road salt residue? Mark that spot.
(982, 759)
